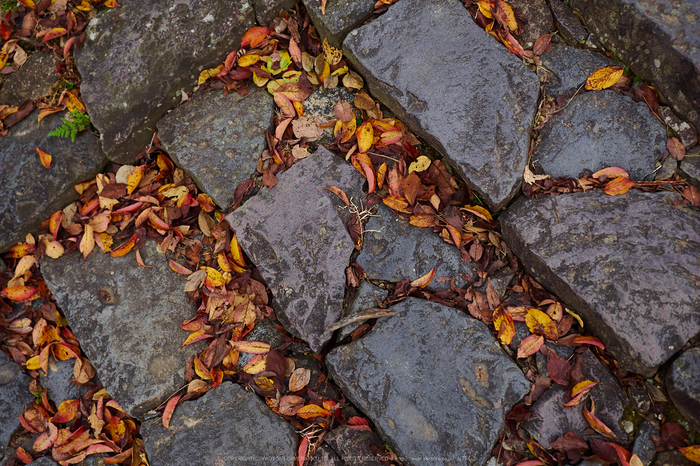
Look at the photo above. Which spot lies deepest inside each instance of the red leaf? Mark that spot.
(530, 345)
(168, 411)
(673, 434)
(45, 158)
(301, 453)
(558, 368)
(254, 36)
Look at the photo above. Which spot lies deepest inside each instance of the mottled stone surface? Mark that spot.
(14, 395)
(31, 193)
(189, 36)
(127, 320)
(568, 24)
(354, 446)
(411, 372)
(325, 456)
(228, 425)
(538, 19)
(551, 420)
(57, 381)
(672, 458)
(401, 55)
(320, 105)
(296, 235)
(626, 264)
(366, 298)
(600, 129)
(685, 133)
(643, 445)
(342, 16)
(394, 249)
(689, 168)
(566, 68)
(217, 139)
(267, 10)
(31, 81)
(683, 381)
(658, 39)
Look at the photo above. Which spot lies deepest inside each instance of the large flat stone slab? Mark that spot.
(683, 379)
(14, 395)
(600, 129)
(127, 87)
(341, 17)
(433, 380)
(393, 249)
(627, 264)
(228, 425)
(455, 86)
(659, 40)
(127, 320)
(217, 139)
(33, 80)
(31, 193)
(295, 234)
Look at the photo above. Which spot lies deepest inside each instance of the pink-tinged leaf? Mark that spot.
(181, 269)
(611, 172)
(597, 424)
(19, 293)
(49, 34)
(98, 449)
(358, 423)
(586, 340)
(622, 454)
(45, 158)
(531, 463)
(285, 104)
(391, 137)
(168, 411)
(295, 52)
(530, 345)
(369, 174)
(69, 43)
(675, 148)
(130, 208)
(301, 453)
(282, 127)
(45, 440)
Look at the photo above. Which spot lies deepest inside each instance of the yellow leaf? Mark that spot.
(175, 192)
(540, 323)
(201, 369)
(619, 185)
(604, 78)
(425, 280)
(331, 54)
(214, 277)
(397, 203)
(265, 383)
(132, 181)
(87, 243)
(421, 164)
(247, 60)
(208, 74)
(504, 325)
(260, 82)
(84, 6)
(312, 410)
(365, 136)
(74, 103)
(478, 211)
(33, 363)
(485, 8)
(692, 453)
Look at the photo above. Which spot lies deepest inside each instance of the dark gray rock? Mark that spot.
(683, 381)
(672, 458)
(264, 331)
(689, 168)
(538, 17)
(267, 10)
(666, 169)
(342, 16)
(190, 37)
(366, 297)
(410, 372)
(14, 396)
(394, 249)
(686, 134)
(566, 68)
(626, 264)
(30, 192)
(659, 40)
(127, 320)
(568, 24)
(320, 105)
(57, 381)
(45, 461)
(325, 456)
(217, 139)
(33, 80)
(297, 237)
(643, 446)
(401, 55)
(551, 420)
(354, 445)
(639, 398)
(228, 425)
(600, 129)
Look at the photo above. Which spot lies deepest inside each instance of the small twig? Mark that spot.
(369, 313)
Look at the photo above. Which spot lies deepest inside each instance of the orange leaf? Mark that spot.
(541, 324)
(586, 340)
(611, 172)
(214, 277)
(304, 444)
(312, 410)
(19, 293)
(692, 453)
(478, 211)
(124, 248)
(134, 178)
(51, 34)
(365, 135)
(27, 3)
(425, 280)
(237, 252)
(181, 269)
(530, 345)
(622, 454)
(254, 36)
(168, 411)
(340, 193)
(66, 411)
(45, 158)
(55, 223)
(604, 78)
(381, 174)
(597, 425)
(397, 203)
(618, 186)
(455, 235)
(504, 325)
(252, 347)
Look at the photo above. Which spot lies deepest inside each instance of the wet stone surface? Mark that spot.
(627, 264)
(58, 383)
(538, 17)
(127, 320)
(366, 297)
(14, 395)
(119, 45)
(683, 379)
(551, 420)
(342, 16)
(267, 10)
(30, 192)
(353, 445)
(430, 348)
(568, 24)
(296, 235)
(486, 139)
(217, 139)
(600, 129)
(33, 80)
(566, 68)
(228, 425)
(394, 249)
(643, 444)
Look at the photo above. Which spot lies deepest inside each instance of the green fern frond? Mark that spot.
(72, 125)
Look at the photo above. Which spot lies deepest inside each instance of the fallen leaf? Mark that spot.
(87, 243)
(530, 345)
(635, 461)
(299, 379)
(331, 54)
(169, 409)
(304, 444)
(597, 424)
(312, 410)
(504, 325)
(290, 404)
(365, 136)
(124, 248)
(50, 34)
(675, 148)
(478, 211)
(618, 186)
(306, 127)
(542, 44)
(45, 158)
(343, 110)
(611, 172)
(425, 280)
(66, 411)
(692, 453)
(252, 347)
(421, 164)
(254, 36)
(604, 78)
(541, 324)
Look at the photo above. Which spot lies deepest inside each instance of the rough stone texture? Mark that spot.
(189, 36)
(354, 446)
(538, 17)
(686, 134)
(600, 129)
(296, 235)
(643, 445)
(672, 458)
(342, 16)
(325, 456)
(14, 395)
(127, 320)
(320, 105)
(666, 169)
(433, 380)
(57, 381)
(394, 249)
(568, 25)
(30, 192)
(569, 68)
(366, 297)
(228, 425)
(550, 419)
(486, 139)
(689, 168)
(33, 80)
(217, 139)
(658, 39)
(626, 264)
(267, 10)
(683, 381)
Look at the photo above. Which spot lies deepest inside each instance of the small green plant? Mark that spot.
(8, 5)
(72, 125)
